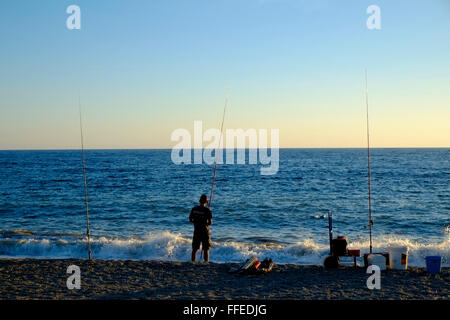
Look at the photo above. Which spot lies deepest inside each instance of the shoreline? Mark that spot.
(37, 279)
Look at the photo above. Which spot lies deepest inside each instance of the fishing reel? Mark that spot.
(370, 224)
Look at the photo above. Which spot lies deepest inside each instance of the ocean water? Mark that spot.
(139, 203)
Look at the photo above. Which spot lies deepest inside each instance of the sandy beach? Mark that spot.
(127, 279)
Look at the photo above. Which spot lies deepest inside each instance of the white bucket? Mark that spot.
(398, 258)
(378, 260)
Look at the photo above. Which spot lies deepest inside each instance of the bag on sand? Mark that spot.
(245, 266)
(266, 266)
(253, 266)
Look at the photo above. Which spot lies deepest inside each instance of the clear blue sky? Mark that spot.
(145, 68)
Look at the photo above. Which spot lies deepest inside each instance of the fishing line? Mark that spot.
(88, 232)
(368, 166)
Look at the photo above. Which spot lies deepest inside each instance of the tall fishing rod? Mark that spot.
(215, 163)
(217, 154)
(368, 166)
(88, 232)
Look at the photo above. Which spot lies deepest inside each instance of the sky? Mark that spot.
(143, 69)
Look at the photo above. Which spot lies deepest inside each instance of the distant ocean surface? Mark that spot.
(139, 203)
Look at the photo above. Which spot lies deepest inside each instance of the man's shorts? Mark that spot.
(204, 239)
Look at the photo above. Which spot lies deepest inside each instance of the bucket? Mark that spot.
(384, 254)
(433, 264)
(378, 260)
(398, 258)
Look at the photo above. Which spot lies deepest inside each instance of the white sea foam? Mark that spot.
(175, 247)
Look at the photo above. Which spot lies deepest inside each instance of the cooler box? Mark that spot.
(346, 261)
(398, 257)
(354, 252)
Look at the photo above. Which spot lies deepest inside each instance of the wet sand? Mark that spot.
(125, 279)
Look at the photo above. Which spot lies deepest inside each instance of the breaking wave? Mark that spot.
(176, 247)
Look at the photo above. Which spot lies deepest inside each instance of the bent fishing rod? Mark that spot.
(88, 232)
(217, 155)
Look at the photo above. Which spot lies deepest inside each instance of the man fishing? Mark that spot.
(201, 217)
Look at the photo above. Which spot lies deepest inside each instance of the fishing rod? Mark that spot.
(330, 230)
(215, 163)
(88, 232)
(368, 166)
(217, 154)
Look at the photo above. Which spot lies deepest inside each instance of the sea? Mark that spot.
(139, 203)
